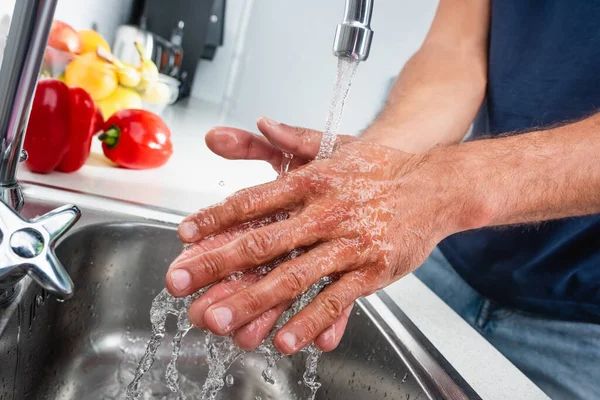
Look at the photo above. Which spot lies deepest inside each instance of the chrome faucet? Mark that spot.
(26, 246)
(354, 36)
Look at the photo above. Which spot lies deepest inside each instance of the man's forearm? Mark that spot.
(433, 101)
(532, 177)
(439, 91)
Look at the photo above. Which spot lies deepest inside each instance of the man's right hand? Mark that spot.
(237, 144)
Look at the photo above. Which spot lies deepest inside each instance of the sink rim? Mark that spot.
(434, 373)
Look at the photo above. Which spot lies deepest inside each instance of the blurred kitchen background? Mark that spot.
(266, 57)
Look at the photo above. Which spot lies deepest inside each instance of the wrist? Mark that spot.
(465, 199)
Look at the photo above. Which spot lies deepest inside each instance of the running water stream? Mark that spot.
(347, 68)
(221, 351)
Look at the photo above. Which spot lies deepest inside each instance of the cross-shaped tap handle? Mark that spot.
(27, 248)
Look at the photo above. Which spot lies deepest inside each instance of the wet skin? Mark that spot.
(358, 215)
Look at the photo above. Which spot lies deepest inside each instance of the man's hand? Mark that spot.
(367, 217)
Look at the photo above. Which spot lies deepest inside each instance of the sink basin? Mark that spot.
(89, 346)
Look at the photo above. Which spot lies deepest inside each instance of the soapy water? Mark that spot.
(221, 350)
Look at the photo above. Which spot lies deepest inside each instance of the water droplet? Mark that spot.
(229, 380)
(222, 183)
(39, 300)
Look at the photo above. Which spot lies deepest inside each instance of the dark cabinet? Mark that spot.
(163, 16)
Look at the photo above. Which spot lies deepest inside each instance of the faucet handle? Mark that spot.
(27, 247)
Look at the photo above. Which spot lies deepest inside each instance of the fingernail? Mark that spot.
(181, 279)
(290, 340)
(223, 317)
(188, 230)
(269, 121)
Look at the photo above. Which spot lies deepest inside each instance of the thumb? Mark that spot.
(301, 142)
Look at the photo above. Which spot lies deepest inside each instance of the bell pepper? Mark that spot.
(136, 139)
(61, 126)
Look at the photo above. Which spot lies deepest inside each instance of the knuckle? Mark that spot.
(302, 132)
(251, 304)
(293, 281)
(302, 180)
(332, 306)
(211, 265)
(311, 326)
(257, 246)
(241, 203)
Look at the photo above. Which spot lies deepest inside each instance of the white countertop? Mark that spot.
(195, 178)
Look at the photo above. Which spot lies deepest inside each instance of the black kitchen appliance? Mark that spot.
(203, 22)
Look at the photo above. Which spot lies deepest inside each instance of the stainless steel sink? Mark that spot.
(89, 346)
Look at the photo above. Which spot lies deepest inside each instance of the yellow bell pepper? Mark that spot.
(122, 98)
(96, 76)
(91, 40)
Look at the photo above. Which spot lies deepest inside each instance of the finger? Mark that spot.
(246, 205)
(236, 144)
(254, 248)
(282, 284)
(216, 293)
(183, 279)
(329, 339)
(211, 243)
(251, 335)
(321, 313)
(301, 142)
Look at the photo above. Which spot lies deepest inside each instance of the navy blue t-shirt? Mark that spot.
(544, 69)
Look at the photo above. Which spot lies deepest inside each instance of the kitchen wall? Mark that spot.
(286, 69)
(6, 7)
(108, 14)
(81, 14)
(213, 77)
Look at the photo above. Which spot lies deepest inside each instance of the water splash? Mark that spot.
(172, 375)
(162, 306)
(347, 68)
(286, 161)
(222, 351)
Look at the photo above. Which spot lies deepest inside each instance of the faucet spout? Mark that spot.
(354, 36)
(19, 73)
(26, 246)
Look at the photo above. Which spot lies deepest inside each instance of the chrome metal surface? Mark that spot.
(27, 248)
(89, 346)
(24, 156)
(437, 377)
(354, 36)
(12, 195)
(20, 70)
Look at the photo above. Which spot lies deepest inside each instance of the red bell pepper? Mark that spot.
(48, 127)
(83, 115)
(136, 139)
(60, 130)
